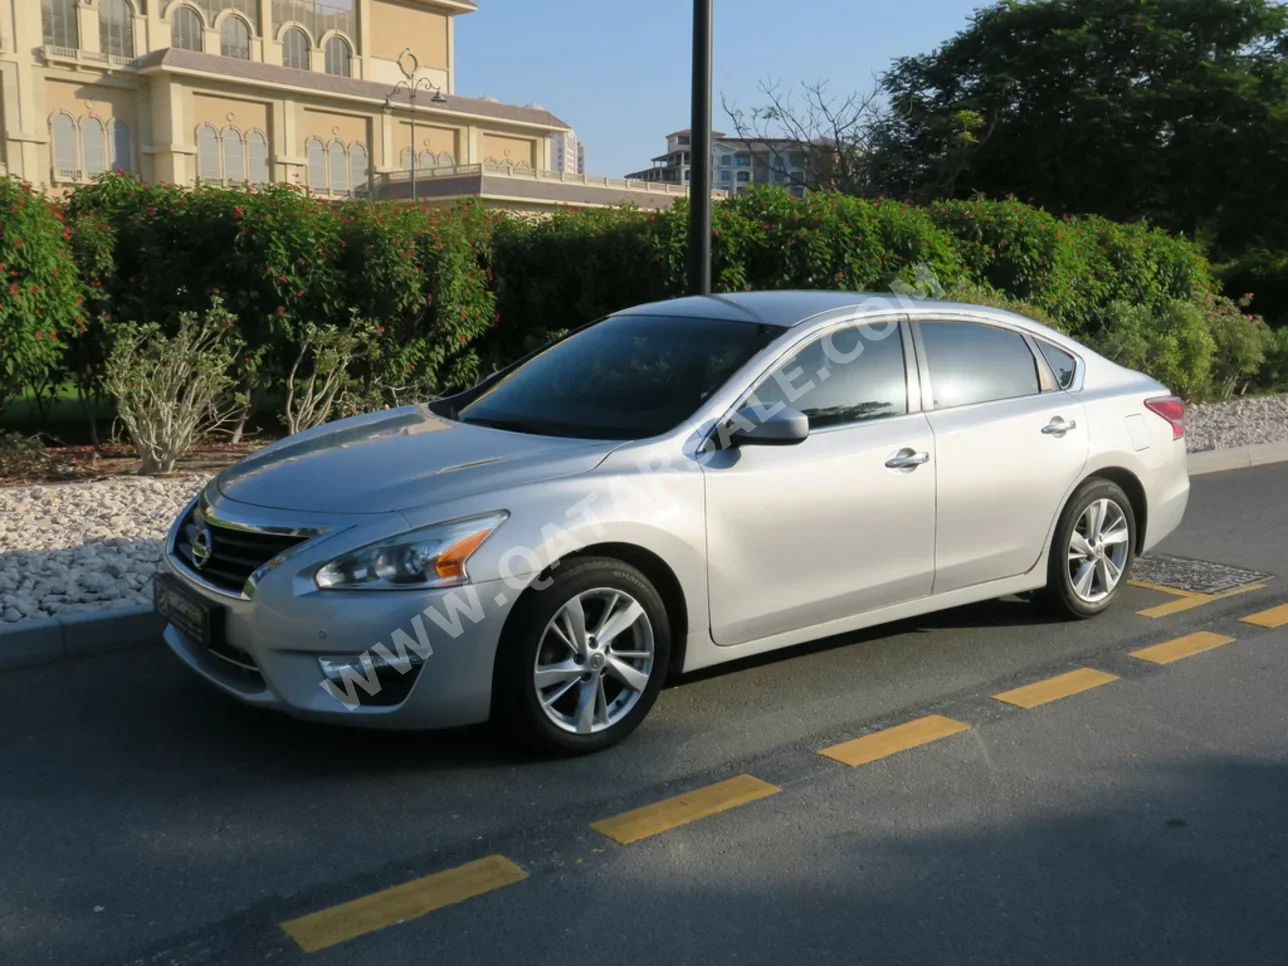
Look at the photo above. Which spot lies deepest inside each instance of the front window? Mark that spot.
(627, 377)
(848, 376)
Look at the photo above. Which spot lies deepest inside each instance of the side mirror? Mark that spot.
(786, 427)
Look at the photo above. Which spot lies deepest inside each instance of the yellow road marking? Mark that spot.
(319, 930)
(682, 809)
(1052, 689)
(1186, 599)
(1186, 646)
(1164, 588)
(1272, 618)
(880, 744)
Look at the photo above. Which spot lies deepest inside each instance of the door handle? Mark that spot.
(907, 460)
(1059, 426)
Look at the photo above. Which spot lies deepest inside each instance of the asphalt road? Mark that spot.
(146, 819)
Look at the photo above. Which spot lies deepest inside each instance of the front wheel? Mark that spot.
(583, 660)
(1092, 551)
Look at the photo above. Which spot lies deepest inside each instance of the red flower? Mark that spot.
(300, 292)
(239, 212)
(40, 335)
(13, 289)
(214, 291)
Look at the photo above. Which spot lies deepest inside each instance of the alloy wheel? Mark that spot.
(594, 660)
(1098, 549)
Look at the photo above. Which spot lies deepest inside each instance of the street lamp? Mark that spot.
(413, 85)
(700, 141)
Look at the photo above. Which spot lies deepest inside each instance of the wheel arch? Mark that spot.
(651, 565)
(1135, 490)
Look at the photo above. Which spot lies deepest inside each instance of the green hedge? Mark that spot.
(456, 292)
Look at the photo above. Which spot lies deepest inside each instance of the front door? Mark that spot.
(801, 535)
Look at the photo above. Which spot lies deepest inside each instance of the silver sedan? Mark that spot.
(674, 486)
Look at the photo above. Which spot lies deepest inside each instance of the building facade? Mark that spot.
(254, 91)
(737, 163)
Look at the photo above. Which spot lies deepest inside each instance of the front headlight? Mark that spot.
(429, 557)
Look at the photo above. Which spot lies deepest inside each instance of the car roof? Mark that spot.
(789, 308)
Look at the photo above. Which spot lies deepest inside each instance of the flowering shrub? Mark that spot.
(452, 293)
(38, 290)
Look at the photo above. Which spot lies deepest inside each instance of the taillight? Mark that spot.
(1172, 409)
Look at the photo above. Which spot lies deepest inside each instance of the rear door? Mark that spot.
(1008, 445)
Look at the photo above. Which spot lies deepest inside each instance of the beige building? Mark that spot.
(253, 91)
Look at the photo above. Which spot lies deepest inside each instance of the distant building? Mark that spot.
(301, 92)
(737, 163)
(567, 154)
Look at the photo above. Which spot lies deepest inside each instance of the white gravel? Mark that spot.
(1240, 422)
(95, 546)
(84, 546)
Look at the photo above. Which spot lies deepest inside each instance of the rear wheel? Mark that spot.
(583, 660)
(1092, 552)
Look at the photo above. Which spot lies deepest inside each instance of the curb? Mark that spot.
(48, 640)
(1237, 458)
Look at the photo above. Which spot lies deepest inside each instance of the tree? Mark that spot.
(1171, 109)
(845, 141)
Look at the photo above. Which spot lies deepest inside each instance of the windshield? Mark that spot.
(627, 377)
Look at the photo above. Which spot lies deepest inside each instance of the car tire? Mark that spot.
(1062, 594)
(535, 640)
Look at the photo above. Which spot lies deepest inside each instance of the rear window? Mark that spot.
(972, 363)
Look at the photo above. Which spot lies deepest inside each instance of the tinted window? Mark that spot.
(628, 377)
(972, 363)
(1062, 363)
(845, 377)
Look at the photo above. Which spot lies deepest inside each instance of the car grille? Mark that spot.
(235, 553)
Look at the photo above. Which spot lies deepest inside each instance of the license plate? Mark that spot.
(189, 612)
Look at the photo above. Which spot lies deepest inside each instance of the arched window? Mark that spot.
(338, 162)
(122, 148)
(116, 28)
(94, 146)
(234, 38)
(186, 30)
(427, 160)
(234, 155)
(66, 155)
(445, 160)
(257, 157)
(357, 167)
(58, 23)
(207, 153)
(405, 159)
(339, 57)
(295, 49)
(317, 164)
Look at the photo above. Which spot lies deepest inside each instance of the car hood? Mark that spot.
(398, 460)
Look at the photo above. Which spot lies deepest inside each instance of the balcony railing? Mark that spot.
(75, 55)
(526, 172)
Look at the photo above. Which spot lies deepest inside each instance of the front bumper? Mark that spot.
(278, 634)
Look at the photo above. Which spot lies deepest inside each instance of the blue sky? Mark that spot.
(618, 71)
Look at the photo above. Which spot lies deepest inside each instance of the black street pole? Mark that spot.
(700, 154)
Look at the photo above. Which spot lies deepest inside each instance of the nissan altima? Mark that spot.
(668, 488)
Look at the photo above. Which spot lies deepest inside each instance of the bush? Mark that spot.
(454, 293)
(1264, 276)
(172, 390)
(1173, 345)
(39, 292)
